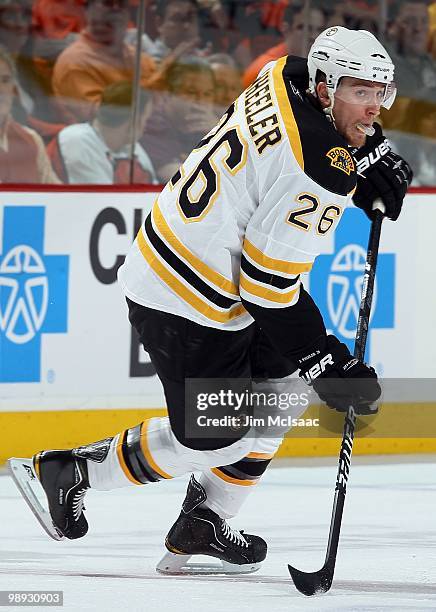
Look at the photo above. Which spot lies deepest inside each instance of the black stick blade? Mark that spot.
(312, 583)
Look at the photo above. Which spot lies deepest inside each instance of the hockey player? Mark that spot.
(214, 290)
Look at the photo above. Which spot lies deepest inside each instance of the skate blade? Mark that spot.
(24, 476)
(176, 565)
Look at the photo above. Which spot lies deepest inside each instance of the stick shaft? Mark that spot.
(368, 287)
(350, 418)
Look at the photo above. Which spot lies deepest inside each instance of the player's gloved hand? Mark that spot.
(339, 379)
(381, 174)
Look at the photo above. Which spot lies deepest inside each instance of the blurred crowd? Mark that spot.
(69, 111)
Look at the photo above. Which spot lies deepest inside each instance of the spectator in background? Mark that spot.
(228, 81)
(34, 104)
(177, 23)
(354, 14)
(96, 59)
(418, 139)
(181, 117)
(409, 26)
(56, 25)
(293, 42)
(254, 27)
(22, 154)
(432, 15)
(214, 23)
(424, 125)
(335, 15)
(15, 24)
(15, 37)
(99, 152)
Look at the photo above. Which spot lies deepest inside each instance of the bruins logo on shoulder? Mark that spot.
(341, 159)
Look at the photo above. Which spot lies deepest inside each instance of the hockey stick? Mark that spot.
(311, 583)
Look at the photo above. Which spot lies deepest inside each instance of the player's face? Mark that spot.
(357, 103)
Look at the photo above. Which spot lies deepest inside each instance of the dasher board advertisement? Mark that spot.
(65, 340)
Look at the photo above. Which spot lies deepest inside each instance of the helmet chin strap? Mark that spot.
(328, 111)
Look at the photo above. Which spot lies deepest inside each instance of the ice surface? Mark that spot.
(386, 559)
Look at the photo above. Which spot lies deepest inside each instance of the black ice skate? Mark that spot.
(200, 531)
(54, 484)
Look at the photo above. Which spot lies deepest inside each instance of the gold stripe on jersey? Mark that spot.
(146, 451)
(190, 278)
(232, 480)
(36, 465)
(121, 460)
(260, 455)
(275, 265)
(266, 293)
(287, 112)
(211, 275)
(181, 290)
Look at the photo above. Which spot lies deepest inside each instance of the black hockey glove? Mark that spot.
(386, 175)
(339, 379)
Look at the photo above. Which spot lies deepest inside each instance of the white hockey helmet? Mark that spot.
(340, 52)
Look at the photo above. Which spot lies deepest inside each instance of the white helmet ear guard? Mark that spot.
(339, 52)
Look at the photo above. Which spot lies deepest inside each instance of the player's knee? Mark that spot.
(227, 455)
(203, 442)
(212, 453)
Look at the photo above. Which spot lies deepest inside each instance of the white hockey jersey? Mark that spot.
(247, 212)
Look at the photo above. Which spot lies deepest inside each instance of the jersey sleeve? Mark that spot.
(283, 238)
(281, 242)
(292, 330)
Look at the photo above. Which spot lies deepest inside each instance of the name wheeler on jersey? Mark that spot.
(248, 211)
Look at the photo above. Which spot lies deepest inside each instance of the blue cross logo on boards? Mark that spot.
(336, 282)
(33, 294)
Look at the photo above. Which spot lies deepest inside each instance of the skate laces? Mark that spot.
(233, 535)
(78, 502)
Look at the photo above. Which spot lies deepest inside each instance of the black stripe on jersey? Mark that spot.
(266, 277)
(135, 459)
(232, 472)
(125, 453)
(317, 134)
(250, 467)
(176, 178)
(184, 271)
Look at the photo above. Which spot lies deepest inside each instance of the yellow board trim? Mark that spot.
(147, 454)
(181, 290)
(235, 481)
(122, 463)
(212, 275)
(26, 433)
(276, 265)
(287, 113)
(267, 294)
